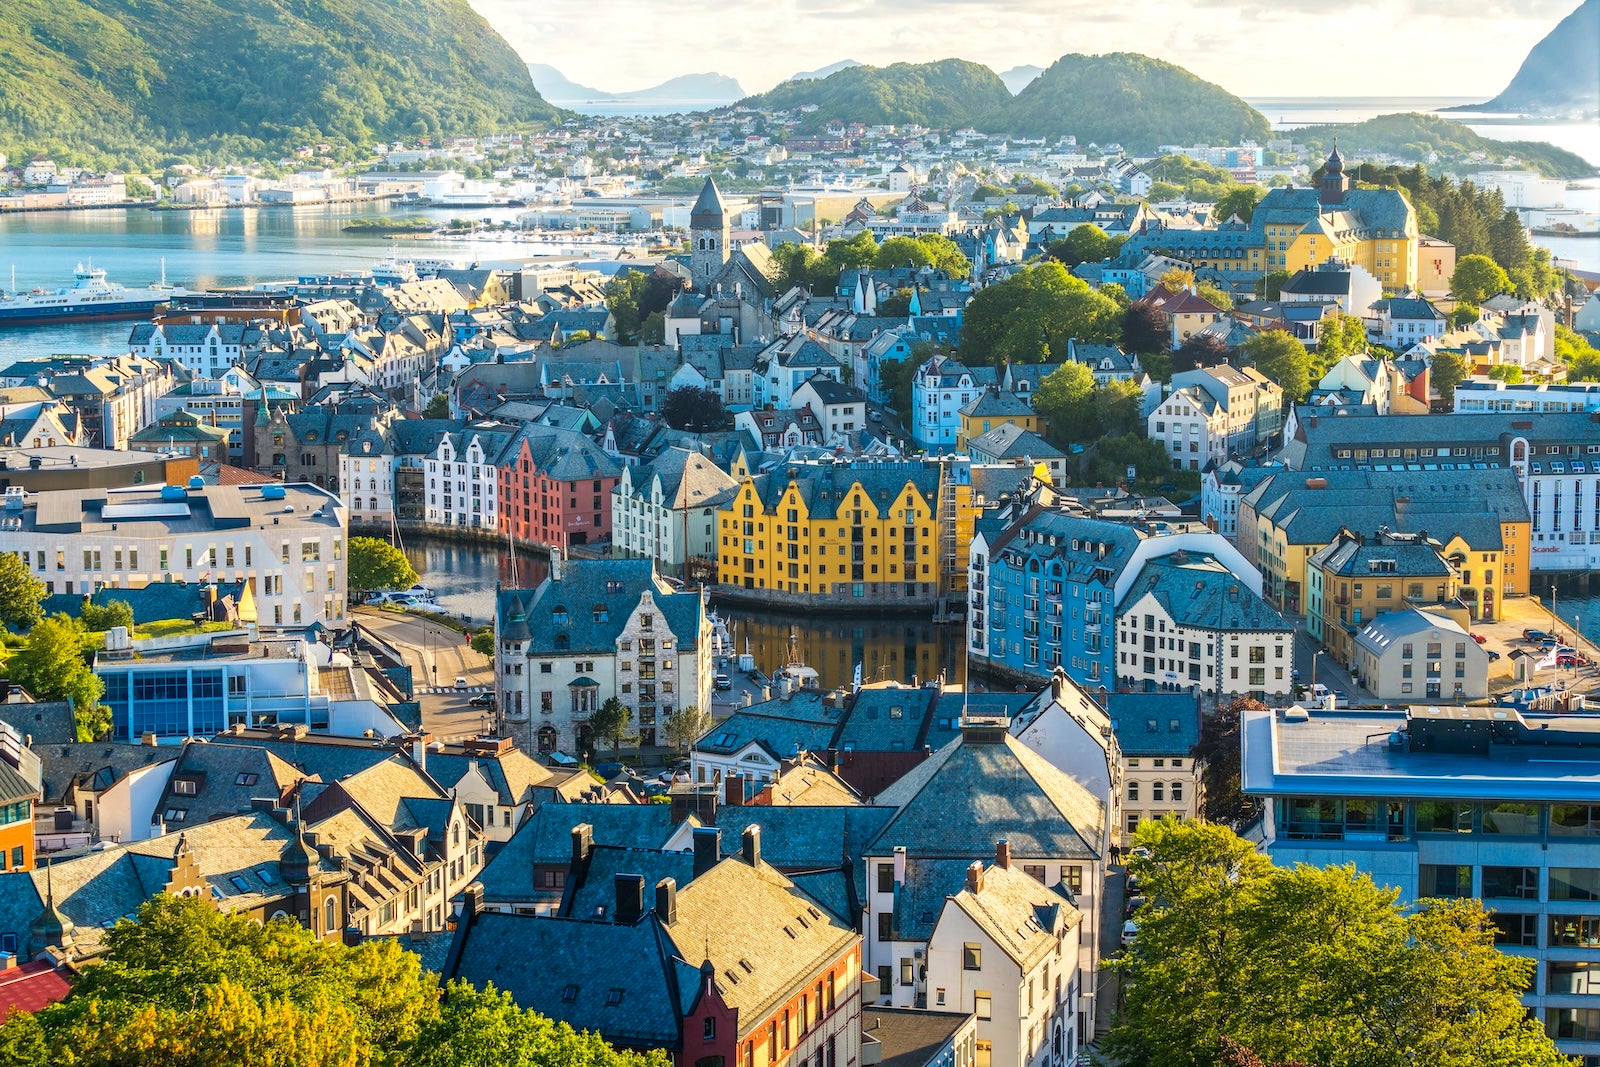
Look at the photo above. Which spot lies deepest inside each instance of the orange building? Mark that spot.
(17, 798)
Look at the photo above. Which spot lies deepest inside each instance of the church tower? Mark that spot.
(1334, 182)
(709, 232)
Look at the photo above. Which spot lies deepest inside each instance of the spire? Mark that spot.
(295, 863)
(708, 209)
(52, 929)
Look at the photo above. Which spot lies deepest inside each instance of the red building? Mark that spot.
(555, 487)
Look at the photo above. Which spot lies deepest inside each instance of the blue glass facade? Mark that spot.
(179, 702)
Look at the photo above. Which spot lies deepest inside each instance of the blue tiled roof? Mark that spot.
(561, 616)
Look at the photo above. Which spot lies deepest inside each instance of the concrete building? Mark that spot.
(1452, 802)
(284, 542)
(1415, 656)
(667, 509)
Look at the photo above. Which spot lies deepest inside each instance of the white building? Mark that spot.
(1188, 623)
(840, 409)
(284, 542)
(667, 510)
(1003, 948)
(593, 630)
(206, 350)
(1452, 802)
(940, 388)
(366, 479)
(1215, 412)
(462, 486)
(1420, 655)
(1407, 321)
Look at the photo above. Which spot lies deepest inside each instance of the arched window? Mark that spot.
(1157, 791)
(330, 914)
(558, 615)
(455, 834)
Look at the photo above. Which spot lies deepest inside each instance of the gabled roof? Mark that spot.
(1021, 916)
(972, 792)
(560, 616)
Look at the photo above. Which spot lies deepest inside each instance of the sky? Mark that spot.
(1253, 48)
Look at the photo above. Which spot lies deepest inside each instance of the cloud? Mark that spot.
(1250, 47)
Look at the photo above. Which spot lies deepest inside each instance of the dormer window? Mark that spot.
(559, 615)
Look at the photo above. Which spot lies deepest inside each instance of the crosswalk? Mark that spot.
(437, 690)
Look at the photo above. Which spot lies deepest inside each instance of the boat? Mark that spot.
(90, 297)
(721, 643)
(796, 674)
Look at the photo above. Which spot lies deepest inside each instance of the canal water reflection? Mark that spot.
(463, 577)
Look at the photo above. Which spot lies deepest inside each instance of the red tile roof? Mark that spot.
(30, 987)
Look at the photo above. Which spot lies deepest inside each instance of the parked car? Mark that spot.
(482, 700)
(1534, 635)
(722, 683)
(1135, 902)
(608, 770)
(1478, 638)
(461, 681)
(1492, 654)
(1129, 930)
(1547, 642)
(1573, 660)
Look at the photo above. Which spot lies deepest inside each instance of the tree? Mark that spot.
(1281, 357)
(902, 252)
(896, 305)
(1240, 201)
(1342, 335)
(1112, 456)
(21, 594)
(695, 409)
(188, 984)
(1445, 372)
(1117, 407)
(1200, 350)
(947, 255)
(856, 253)
(1509, 373)
(684, 726)
(894, 378)
(622, 300)
(1270, 285)
(376, 565)
(1464, 315)
(1218, 751)
(438, 407)
(1087, 243)
(1176, 279)
(1145, 329)
(52, 666)
(1477, 278)
(1034, 313)
(1315, 964)
(99, 619)
(483, 642)
(613, 723)
(1063, 399)
(653, 330)
(1218, 297)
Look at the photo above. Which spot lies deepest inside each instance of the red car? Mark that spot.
(1573, 660)
(1479, 638)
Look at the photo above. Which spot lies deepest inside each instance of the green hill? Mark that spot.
(1414, 137)
(1130, 99)
(134, 82)
(947, 94)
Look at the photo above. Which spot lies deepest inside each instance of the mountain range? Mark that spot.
(1131, 99)
(1018, 78)
(134, 82)
(1560, 78)
(686, 92)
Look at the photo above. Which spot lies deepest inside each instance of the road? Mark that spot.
(1325, 668)
(437, 656)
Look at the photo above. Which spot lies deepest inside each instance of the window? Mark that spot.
(708, 1030)
(886, 878)
(1569, 820)
(1514, 882)
(1573, 1024)
(885, 926)
(1444, 817)
(1443, 880)
(1133, 791)
(983, 1004)
(1516, 929)
(1574, 931)
(1574, 883)
(972, 957)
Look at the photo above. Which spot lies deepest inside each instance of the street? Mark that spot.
(437, 656)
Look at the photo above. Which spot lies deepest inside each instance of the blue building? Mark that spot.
(1046, 584)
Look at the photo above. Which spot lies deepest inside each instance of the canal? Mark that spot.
(463, 576)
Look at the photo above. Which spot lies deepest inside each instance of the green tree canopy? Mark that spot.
(1033, 314)
(695, 409)
(947, 255)
(188, 985)
(1063, 399)
(377, 565)
(21, 594)
(1446, 371)
(1477, 278)
(52, 666)
(1087, 243)
(483, 642)
(100, 619)
(1281, 357)
(1342, 335)
(612, 722)
(902, 252)
(1509, 373)
(622, 300)
(1240, 201)
(684, 726)
(438, 407)
(1315, 964)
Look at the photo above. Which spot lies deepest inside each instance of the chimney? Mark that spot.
(1002, 853)
(555, 564)
(148, 739)
(975, 877)
(419, 750)
(8, 961)
(707, 848)
(900, 865)
(667, 901)
(582, 845)
(752, 844)
(630, 898)
(733, 790)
